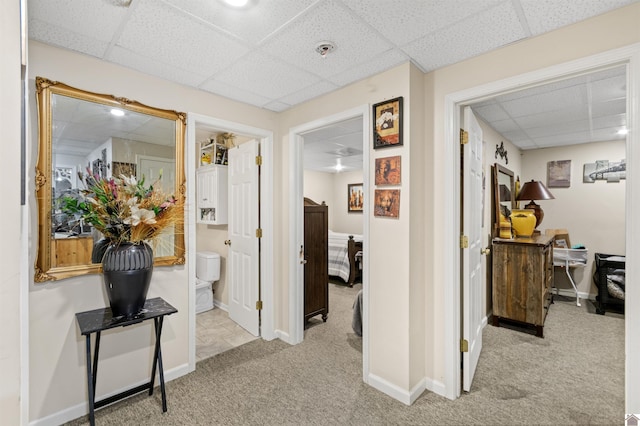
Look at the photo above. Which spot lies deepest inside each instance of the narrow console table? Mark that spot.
(98, 320)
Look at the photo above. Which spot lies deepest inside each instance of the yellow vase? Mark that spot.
(523, 222)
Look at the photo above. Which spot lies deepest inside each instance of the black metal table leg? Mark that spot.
(157, 360)
(90, 382)
(96, 350)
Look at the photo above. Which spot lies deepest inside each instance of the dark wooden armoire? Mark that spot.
(316, 255)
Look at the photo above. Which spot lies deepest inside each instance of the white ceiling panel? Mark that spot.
(264, 55)
(415, 17)
(274, 80)
(251, 25)
(470, 37)
(547, 15)
(355, 41)
(178, 39)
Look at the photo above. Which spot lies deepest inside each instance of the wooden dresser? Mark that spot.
(522, 278)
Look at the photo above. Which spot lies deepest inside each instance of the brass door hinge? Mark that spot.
(259, 160)
(464, 241)
(464, 345)
(464, 137)
(259, 305)
(259, 233)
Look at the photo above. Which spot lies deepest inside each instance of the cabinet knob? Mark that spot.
(227, 242)
(485, 251)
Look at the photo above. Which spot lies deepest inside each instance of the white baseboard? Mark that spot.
(82, 409)
(435, 386)
(568, 292)
(219, 304)
(395, 392)
(284, 336)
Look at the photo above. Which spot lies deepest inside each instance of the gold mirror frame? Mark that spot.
(502, 176)
(45, 270)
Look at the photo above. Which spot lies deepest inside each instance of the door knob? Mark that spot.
(227, 242)
(485, 251)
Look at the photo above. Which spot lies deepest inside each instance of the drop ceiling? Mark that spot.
(265, 55)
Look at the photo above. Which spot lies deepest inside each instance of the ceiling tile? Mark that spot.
(266, 76)
(610, 121)
(380, 63)
(150, 66)
(547, 15)
(59, 36)
(558, 100)
(355, 41)
(609, 108)
(239, 94)
(310, 92)
(178, 39)
(490, 111)
(96, 19)
(252, 25)
(403, 21)
(609, 89)
(277, 106)
(472, 36)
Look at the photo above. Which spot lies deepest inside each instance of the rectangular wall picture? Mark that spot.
(388, 170)
(355, 197)
(559, 174)
(387, 203)
(387, 123)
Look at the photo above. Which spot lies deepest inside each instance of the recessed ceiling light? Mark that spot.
(117, 112)
(239, 4)
(623, 131)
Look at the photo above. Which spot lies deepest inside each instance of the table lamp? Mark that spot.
(534, 190)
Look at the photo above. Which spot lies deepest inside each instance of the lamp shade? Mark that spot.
(534, 190)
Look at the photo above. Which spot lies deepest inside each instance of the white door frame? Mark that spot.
(296, 226)
(629, 55)
(266, 221)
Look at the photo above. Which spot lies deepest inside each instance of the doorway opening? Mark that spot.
(296, 268)
(206, 237)
(453, 102)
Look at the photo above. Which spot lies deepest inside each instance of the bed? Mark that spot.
(345, 256)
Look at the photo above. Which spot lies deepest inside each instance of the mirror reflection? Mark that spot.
(504, 196)
(80, 133)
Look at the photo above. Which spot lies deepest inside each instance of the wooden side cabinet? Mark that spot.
(522, 278)
(316, 256)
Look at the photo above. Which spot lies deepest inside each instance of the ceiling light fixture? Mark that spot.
(239, 4)
(117, 112)
(338, 166)
(325, 47)
(623, 131)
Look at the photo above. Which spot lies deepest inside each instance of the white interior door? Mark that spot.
(472, 277)
(164, 170)
(243, 259)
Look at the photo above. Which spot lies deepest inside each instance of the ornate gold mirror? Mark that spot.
(503, 193)
(82, 132)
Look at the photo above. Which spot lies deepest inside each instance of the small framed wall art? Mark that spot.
(559, 174)
(355, 197)
(387, 123)
(387, 203)
(388, 170)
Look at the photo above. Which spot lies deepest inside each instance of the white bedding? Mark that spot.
(339, 254)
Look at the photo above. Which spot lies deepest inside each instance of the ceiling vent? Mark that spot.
(325, 47)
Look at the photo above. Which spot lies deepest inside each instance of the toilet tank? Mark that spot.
(207, 266)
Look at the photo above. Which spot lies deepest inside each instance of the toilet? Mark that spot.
(207, 272)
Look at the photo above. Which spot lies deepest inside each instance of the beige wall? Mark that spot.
(600, 34)
(13, 240)
(594, 213)
(332, 189)
(57, 349)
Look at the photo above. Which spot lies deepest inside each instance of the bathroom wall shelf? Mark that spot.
(211, 188)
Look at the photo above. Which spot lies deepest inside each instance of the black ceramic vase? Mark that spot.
(127, 269)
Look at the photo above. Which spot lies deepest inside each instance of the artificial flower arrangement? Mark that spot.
(124, 209)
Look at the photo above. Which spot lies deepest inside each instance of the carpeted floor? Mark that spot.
(575, 375)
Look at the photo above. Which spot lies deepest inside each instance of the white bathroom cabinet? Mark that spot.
(211, 187)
